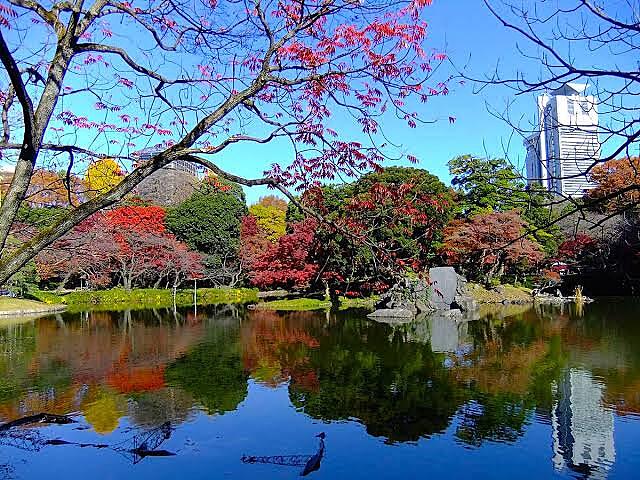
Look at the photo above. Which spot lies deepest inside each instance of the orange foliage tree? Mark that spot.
(487, 245)
(617, 183)
(50, 189)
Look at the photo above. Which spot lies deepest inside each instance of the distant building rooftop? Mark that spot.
(147, 153)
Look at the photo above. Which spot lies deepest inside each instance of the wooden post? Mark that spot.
(195, 297)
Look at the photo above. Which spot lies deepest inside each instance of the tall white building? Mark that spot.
(566, 144)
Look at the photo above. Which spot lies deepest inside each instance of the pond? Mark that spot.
(229, 393)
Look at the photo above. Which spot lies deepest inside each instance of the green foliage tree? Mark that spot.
(401, 209)
(25, 279)
(487, 185)
(209, 221)
(39, 217)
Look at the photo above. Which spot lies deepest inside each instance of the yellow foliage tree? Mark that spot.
(271, 219)
(102, 175)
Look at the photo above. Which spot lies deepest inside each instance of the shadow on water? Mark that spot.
(466, 383)
(135, 448)
(311, 463)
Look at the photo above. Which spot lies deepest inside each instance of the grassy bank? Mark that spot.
(17, 306)
(304, 304)
(120, 299)
(500, 294)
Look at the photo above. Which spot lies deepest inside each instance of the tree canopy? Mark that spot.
(195, 79)
(487, 185)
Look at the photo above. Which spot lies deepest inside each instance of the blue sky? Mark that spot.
(474, 39)
(470, 35)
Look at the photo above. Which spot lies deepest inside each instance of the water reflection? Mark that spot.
(582, 428)
(438, 379)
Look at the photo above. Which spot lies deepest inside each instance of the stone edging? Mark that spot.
(33, 311)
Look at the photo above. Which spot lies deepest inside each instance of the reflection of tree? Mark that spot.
(24, 377)
(105, 411)
(500, 417)
(606, 340)
(509, 373)
(160, 406)
(212, 372)
(397, 389)
(275, 346)
(53, 364)
(17, 345)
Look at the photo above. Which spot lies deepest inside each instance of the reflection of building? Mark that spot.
(582, 427)
(566, 144)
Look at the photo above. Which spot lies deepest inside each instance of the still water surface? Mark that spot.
(520, 393)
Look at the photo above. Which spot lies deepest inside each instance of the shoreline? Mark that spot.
(33, 311)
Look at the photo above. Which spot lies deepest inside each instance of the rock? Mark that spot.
(500, 289)
(443, 286)
(392, 313)
(408, 294)
(445, 290)
(466, 303)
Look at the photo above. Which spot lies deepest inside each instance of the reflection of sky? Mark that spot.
(267, 424)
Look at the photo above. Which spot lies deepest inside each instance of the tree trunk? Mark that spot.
(64, 281)
(126, 282)
(35, 125)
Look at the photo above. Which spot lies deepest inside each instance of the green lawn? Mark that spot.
(298, 304)
(301, 304)
(16, 304)
(141, 298)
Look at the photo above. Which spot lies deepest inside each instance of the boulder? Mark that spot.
(445, 291)
(392, 313)
(466, 303)
(410, 294)
(443, 287)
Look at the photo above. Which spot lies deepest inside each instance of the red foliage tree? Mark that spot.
(394, 219)
(85, 252)
(130, 243)
(580, 251)
(487, 244)
(254, 242)
(288, 263)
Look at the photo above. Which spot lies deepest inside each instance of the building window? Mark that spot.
(570, 107)
(584, 105)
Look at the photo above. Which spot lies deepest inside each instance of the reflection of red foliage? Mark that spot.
(137, 379)
(306, 380)
(270, 339)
